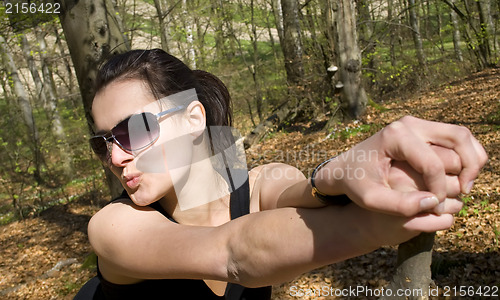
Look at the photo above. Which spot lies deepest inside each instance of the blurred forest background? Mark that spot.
(268, 52)
(290, 65)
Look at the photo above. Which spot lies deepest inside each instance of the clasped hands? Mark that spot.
(413, 172)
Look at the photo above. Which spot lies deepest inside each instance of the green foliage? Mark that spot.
(464, 211)
(377, 106)
(349, 132)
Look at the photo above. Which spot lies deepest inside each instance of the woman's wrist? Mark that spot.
(325, 183)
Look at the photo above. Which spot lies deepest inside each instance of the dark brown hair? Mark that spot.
(165, 75)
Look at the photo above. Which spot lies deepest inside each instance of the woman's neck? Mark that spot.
(202, 198)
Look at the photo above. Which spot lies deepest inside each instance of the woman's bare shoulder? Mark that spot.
(268, 181)
(115, 225)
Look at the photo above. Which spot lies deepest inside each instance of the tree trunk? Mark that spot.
(51, 106)
(484, 36)
(256, 64)
(278, 16)
(413, 270)
(67, 64)
(417, 38)
(218, 11)
(40, 93)
(25, 106)
(456, 35)
(92, 36)
(353, 95)
(366, 31)
(191, 55)
(162, 13)
(292, 43)
(392, 32)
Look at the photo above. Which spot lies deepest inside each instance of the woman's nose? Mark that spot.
(119, 156)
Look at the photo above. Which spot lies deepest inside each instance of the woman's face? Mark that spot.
(144, 173)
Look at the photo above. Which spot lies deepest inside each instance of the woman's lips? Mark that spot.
(133, 181)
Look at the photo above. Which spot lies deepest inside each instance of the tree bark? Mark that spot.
(92, 35)
(413, 270)
(51, 106)
(417, 38)
(456, 35)
(26, 48)
(162, 13)
(191, 55)
(292, 43)
(353, 95)
(25, 106)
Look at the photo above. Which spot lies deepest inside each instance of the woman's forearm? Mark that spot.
(276, 246)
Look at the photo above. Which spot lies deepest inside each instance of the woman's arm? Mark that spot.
(254, 250)
(280, 185)
(445, 159)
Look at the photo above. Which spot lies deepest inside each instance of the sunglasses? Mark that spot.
(137, 132)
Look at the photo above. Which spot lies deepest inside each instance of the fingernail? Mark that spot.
(469, 186)
(428, 203)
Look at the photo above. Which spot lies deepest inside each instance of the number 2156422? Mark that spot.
(21, 7)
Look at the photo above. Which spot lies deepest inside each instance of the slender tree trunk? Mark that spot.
(51, 107)
(292, 43)
(366, 31)
(484, 36)
(456, 35)
(92, 35)
(40, 93)
(161, 12)
(417, 38)
(26, 108)
(491, 25)
(270, 33)
(392, 32)
(439, 26)
(191, 55)
(67, 64)
(218, 11)
(278, 16)
(256, 63)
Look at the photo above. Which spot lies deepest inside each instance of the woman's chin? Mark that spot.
(141, 199)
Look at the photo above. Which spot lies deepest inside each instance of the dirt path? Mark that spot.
(465, 255)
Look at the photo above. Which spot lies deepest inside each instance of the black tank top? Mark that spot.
(185, 288)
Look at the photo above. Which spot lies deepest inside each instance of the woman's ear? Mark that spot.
(196, 118)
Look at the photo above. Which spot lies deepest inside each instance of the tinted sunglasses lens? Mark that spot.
(138, 132)
(98, 144)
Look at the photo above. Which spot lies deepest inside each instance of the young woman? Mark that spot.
(190, 226)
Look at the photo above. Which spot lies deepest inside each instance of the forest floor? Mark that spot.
(49, 257)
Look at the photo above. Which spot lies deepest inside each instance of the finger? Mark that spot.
(429, 222)
(459, 138)
(451, 160)
(404, 178)
(406, 203)
(448, 206)
(418, 154)
(469, 173)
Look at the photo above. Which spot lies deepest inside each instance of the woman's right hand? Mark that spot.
(447, 157)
